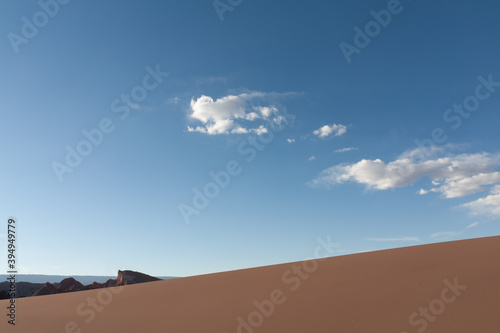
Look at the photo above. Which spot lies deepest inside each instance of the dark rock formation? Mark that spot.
(96, 285)
(4, 294)
(66, 286)
(70, 284)
(110, 283)
(131, 277)
(23, 289)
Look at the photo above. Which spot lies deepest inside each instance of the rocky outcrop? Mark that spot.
(47, 289)
(96, 285)
(131, 277)
(110, 283)
(4, 294)
(70, 284)
(23, 289)
(66, 286)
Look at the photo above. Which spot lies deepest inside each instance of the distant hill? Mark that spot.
(70, 284)
(83, 279)
(38, 278)
(23, 289)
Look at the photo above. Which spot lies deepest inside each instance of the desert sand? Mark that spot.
(450, 287)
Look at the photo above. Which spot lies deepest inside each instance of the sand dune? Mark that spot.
(449, 287)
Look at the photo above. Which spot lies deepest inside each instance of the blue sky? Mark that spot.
(339, 159)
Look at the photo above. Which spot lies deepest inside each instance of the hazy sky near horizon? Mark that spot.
(374, 123)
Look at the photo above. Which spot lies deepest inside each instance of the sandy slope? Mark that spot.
(370, 293)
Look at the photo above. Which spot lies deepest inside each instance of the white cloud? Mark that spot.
(365, 251)
(397, 239)
(266, 111)
(495, 189)
(468, 185)
(260, 130)
(343, 150)
(233, 114)
(174, 100)
(473, 225)
(334, 129)
(252, 116)
(489, 205)
(312, 158)
(290, 140)
(452, 175)
(445, 234)
(404, 171)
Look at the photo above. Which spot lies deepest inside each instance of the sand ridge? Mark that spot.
(447, 287)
